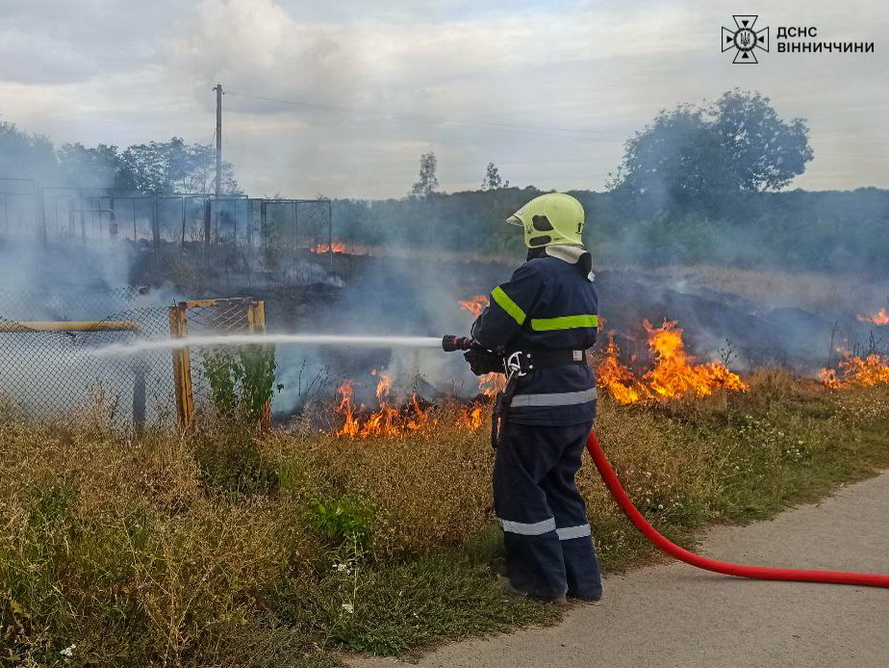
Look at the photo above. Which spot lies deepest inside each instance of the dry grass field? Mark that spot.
(224, 549)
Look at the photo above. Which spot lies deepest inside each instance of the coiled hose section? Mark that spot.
(727, 568)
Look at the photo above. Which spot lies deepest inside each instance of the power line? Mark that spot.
(538, 130)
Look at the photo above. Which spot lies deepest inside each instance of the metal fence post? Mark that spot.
(155, 231)
(182, 367)
(40, 214)
(139, 397)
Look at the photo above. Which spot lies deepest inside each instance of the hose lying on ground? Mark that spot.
(727, 568)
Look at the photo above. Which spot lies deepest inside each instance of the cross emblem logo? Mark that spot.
(745, 39)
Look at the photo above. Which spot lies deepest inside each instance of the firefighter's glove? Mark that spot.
(482, 361)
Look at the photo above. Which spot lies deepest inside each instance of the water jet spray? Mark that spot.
(356, 341)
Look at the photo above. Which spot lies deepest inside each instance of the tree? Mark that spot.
(699, 155)
(763, 152)
(25, 155)
(175, 166)
(492, 180)
(428, 180)
(99, 167)
(163, 167)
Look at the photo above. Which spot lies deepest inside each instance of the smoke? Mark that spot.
(385, 296)
(63, 260)
(47, 371)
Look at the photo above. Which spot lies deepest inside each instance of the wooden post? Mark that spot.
(182, 367)
(256, 324)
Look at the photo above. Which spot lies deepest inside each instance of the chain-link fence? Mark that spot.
(47, 340)
(202, 318)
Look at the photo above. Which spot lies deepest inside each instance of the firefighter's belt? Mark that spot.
(542, 358)
(518, 364)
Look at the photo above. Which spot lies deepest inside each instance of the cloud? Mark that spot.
(548, 91)
(46, 41)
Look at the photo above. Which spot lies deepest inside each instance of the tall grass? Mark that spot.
(221, 549)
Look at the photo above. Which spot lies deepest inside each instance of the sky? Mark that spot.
(341, 98)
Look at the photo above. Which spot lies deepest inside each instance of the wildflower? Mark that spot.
(68, 651)
(348, 607)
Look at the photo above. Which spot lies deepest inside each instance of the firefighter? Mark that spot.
(539, 325)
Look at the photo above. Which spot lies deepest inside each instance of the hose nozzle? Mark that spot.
(451, 343)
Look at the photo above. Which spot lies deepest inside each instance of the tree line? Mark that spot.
(161, 167)
(699, 183)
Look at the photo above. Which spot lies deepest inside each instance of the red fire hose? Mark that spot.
(757, 572)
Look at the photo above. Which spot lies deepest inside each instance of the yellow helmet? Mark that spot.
(554, 218)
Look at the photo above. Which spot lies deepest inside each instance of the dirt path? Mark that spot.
(674, 615)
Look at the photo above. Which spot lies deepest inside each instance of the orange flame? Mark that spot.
(421, 417)
(475, 305)
(338, 248)
(880, 318)
(490, 383)
(472, 418)
(619, 380)
(350, 427)
(387, 420)
(383, 422)
(866, 371)
(675, 374)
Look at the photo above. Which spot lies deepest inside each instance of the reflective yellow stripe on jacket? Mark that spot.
(565, 322)
(542, 324)
(508, 305)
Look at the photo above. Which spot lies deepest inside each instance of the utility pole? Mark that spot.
(218, 90)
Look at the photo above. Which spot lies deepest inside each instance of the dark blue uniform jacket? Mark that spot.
(549, 303)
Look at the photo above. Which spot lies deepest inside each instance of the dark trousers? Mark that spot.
(549, 549)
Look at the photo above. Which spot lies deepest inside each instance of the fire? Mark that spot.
(475, 305)
(350, 427)
(619, 380)
(490, 384)
(472, 418)
(866, 371)
(881, 317)
(387, 420)
(675, 374)
(337, 247)
(383, 422)
(421, 417)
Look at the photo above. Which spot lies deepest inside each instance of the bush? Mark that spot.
(345, 519)
(242, 383)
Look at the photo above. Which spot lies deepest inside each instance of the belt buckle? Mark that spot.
(514, 364)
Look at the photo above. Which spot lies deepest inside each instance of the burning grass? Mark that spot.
(407, 416)
(338, 248)
(857, 371)
(880, 318)
(674, 374)
(121, 552)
